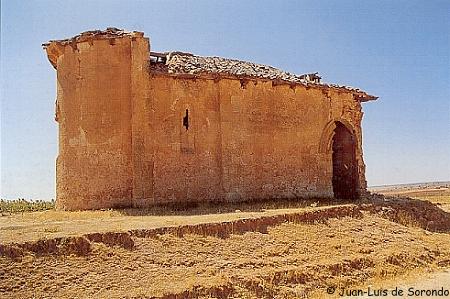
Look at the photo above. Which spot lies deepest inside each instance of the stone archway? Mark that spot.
(345, 167)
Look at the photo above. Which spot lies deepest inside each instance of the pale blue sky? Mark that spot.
(398, 50)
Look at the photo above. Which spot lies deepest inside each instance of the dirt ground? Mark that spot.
(265, 250)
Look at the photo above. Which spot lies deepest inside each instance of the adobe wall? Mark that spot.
(95, 81)
(244, 141)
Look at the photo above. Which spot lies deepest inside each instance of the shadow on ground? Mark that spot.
(188, 209)
(403, 210)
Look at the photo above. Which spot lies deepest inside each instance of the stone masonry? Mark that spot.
(138, 128)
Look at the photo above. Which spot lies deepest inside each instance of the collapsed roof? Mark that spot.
(186, 63)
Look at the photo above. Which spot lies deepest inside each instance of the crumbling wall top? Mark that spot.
(110, 32)
(55, 48)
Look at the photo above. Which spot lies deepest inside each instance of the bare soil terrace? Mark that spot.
(262, 250)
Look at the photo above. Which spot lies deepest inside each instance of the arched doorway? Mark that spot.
(345, 169)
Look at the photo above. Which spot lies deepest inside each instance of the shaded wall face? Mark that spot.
(244, 141)
(345, 170)
(94, 113)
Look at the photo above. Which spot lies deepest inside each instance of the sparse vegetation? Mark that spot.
(21, 205)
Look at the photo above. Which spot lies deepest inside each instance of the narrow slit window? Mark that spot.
(186, 120)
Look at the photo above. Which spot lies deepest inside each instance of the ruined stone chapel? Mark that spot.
(138, 128)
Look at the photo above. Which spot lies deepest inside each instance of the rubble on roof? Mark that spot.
(186, 63)
(110, 32)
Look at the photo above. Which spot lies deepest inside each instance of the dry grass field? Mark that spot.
(261, 250)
